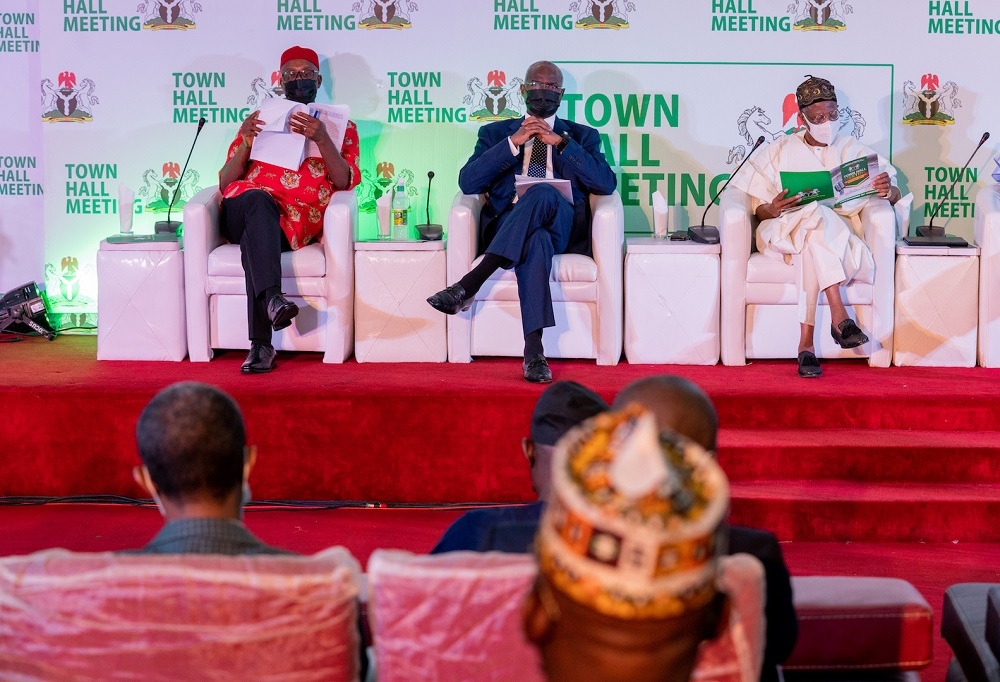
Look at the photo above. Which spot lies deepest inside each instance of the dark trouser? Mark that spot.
(530, 234)
(252, 221)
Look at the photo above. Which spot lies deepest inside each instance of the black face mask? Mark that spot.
(542, 103)
(302, 90)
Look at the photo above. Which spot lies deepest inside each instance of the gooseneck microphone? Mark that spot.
(932, 230)
(430, 176)
(429, 231)
(708, 234)
(168, 225)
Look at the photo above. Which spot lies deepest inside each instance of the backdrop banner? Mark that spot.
(110, 92)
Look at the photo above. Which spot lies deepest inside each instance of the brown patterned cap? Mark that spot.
(633, 526)
(814, 90)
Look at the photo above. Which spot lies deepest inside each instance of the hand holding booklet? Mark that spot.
(278, 145)
(851, 180)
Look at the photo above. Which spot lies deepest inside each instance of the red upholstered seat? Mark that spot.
(66, 616)
(860, 624)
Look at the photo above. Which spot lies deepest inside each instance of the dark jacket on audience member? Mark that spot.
(207, 536)
(512, 529)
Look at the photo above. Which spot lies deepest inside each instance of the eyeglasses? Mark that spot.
(823, 118)
(301, 74)
(535, 85)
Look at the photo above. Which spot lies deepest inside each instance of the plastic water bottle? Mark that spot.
(400, 213)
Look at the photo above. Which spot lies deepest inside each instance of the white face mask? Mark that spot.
(823, 132)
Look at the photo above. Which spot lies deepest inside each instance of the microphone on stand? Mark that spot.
(708, 234)
(168, 225)
(429, 231)
(932, 231)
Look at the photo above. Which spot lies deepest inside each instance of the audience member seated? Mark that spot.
(680, 405)
(195, 464)
(560, 407)
(628, 553)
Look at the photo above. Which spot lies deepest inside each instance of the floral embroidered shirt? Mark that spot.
(303, 195)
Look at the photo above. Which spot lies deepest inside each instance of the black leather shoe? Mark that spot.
(262, 359)
(809, 366)
(451, 300)
(849, 334)
(536, 370)
(281, 311)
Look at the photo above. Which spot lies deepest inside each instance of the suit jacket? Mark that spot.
(207, 536)
(782, 623)
(494, 529)
(491, 169)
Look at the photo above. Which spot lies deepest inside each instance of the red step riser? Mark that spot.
(863, 464)
(871, 521)
(874, 412)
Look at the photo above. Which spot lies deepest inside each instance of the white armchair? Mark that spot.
(987, 231)
(760, 293)
(587, 296)
(319, 278)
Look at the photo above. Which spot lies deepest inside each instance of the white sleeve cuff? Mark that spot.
(513, 147)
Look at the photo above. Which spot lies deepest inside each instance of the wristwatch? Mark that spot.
(562, 145)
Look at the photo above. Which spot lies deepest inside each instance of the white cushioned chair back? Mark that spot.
(457, 616)
(68, 616)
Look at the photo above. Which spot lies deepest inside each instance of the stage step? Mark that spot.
(861, 455)
(848, 511)
(828, 459)
(873, 405)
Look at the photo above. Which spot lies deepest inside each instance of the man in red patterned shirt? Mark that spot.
(267, 209)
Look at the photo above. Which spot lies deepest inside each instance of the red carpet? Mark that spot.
(860, 455)
(930, 567)
(839, 467)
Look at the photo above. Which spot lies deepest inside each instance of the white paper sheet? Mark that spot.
(334, 118)
(277, 145)
(523, 182)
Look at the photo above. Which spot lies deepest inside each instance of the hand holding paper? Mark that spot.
(291, 128)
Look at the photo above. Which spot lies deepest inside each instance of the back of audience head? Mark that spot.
(192, 443)
(628, 553)
(560, 407)
(678, 404)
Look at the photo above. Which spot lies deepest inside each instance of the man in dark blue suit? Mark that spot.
(526, 232)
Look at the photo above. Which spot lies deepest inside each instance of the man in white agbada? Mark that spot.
(831, 253)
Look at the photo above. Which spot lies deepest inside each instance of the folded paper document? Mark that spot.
(522, 183)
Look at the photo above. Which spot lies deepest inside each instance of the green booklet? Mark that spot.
(850, 180)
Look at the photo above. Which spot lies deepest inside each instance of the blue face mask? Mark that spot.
(302, 90)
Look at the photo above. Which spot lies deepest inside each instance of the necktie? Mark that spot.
(537, 162)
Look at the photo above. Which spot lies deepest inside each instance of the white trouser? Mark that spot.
(829, 253)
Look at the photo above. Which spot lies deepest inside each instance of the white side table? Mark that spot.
(937, 306)
(140, 302)
(671, 302)
(392, 320)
